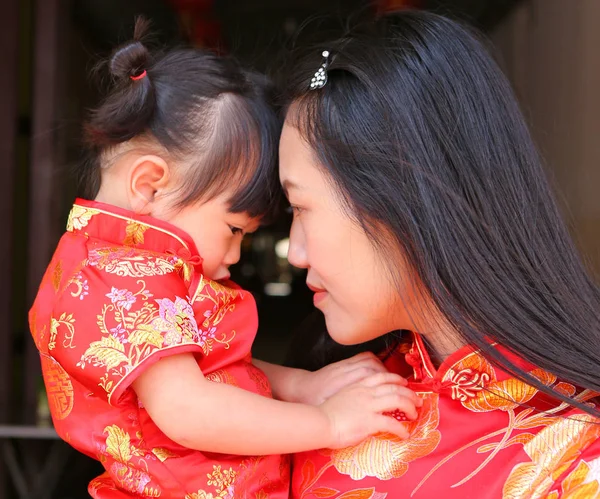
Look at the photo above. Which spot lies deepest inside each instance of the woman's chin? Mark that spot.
(346, 336)
(350, 332)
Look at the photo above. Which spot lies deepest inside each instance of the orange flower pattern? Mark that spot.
(582, 483)
(386, 456)
(552, 451)
(121, 293)
(475, 384)
(481, 433)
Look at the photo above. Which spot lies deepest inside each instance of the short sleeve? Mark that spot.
(118, 316)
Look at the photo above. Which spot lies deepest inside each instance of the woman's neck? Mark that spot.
(442, 340)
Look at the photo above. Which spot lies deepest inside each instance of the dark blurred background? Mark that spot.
(549, 49)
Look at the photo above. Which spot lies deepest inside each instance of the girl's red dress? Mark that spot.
(120, 293)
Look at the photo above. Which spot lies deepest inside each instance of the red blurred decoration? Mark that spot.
(392, 5)
(200, 22)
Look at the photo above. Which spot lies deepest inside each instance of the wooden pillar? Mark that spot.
(44, 178)
(9, 25)
(9, 37)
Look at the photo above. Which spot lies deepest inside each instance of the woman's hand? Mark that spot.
(315, 388)
(357, 411)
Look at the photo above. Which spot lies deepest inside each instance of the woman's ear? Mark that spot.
(148, 176)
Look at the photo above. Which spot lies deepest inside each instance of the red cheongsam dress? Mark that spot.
(121, 292)
(481, 434)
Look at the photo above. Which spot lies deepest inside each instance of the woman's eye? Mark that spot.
(294, 210)
(236, 230)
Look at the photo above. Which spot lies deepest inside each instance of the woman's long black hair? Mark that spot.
(421, 134)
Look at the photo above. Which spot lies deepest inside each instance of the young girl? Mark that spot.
(145, 344)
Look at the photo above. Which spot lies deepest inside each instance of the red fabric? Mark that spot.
(480, 434)
(120, 293)
(200, 21)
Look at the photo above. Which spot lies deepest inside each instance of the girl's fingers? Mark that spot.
(384, 390)
(396, 402)
(386, 424)
(383, 379)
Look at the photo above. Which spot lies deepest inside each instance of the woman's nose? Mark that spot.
(297, 250)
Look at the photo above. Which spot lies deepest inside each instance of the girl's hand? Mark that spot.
(357, 411)
(314, 388)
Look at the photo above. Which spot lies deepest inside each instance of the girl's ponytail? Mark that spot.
(129, 108)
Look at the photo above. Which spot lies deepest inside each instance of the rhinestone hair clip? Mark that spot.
(320, 78)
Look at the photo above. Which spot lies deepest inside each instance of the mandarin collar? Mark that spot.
(469, 378)
(122, 227)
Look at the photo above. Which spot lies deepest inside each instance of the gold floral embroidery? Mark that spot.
(472, 374)
(386, 456)
(382, 456)
(81, 286)
(184, 269)
(221, 376)
(57, 275)
(515, 433)
(118, 444)
(552, 451)
(134, 233)
(200, 495)
(58, 388)
(128, 477)
(79, 217)
(223, 300)
(221, 296)
(247, 475)
(131, 336)
(129, 262)
(466, 383)
(163, 454)
(310, 478)
(369, 493)
(222, 480)
(104, 481)
(67, 323)
(581, 483)
(329, 493)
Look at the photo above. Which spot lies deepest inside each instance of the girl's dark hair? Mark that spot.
(420, 133)
(205, 110)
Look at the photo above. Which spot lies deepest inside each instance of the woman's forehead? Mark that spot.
(293, 153)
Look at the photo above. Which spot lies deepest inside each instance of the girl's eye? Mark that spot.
(294, 210)
(236, 230)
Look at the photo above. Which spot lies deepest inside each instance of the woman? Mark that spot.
(420, 205)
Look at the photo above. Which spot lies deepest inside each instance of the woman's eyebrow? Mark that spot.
(288, 185)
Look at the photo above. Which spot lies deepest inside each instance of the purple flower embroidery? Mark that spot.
(119, 332)
(84, 289)
(122, 298)
(176, 321)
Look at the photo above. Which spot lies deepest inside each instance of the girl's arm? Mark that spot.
(216, 417)
(298, 385)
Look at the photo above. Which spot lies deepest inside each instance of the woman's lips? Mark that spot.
(320, 294)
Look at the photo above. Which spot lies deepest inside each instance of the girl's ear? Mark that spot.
(148, 176)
